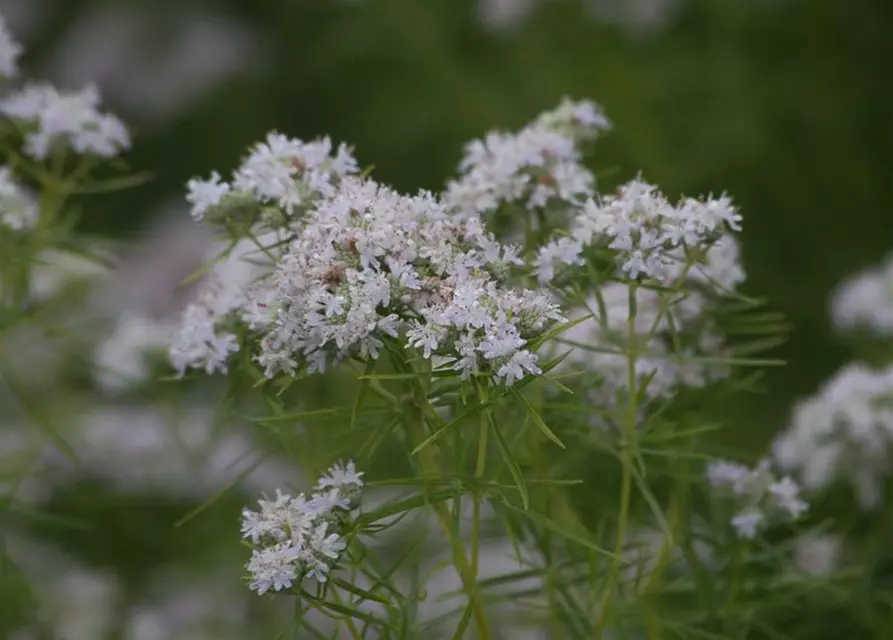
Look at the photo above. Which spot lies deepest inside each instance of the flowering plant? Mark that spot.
(503, 390)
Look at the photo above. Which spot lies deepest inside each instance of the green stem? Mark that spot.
(479, 474)
(354, 632)
(467, 572)
(627, 442)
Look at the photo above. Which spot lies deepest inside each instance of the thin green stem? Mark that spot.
(465, 570)
(627, 444)
(479, 469)
(351, 626)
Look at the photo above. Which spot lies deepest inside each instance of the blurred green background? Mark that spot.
(785, 104)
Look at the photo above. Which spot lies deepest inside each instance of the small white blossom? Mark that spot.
(761, 497)
(651, 237)
(232, 291)
(538, 164)
(297, 537)
(10, 50)
(18, 209)
(786, 494)
(866, 301)
(341, 477)
(290, 172)
(818, 554)
(748, 522)
(121, 359)
(204, 194)
(273, 567)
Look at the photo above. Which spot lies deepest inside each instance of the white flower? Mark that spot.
(866, 301)
(761, 497)
(723, 474)
(564, 251)
(273, 567)
(341, 477)
(10, 50)
(818, 554)
(584, 118)
(18, 209)
(843, 432)
(230, 289)
(294, 536)
(650, 236)
(748, 522)
(539, 164)
(204, 194)
(120, 360)
(70, 118)
(290, 172)
(786, 495)
(369, 264)
(327, 545)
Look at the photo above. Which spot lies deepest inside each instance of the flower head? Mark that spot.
(70, 118)
(298, 537)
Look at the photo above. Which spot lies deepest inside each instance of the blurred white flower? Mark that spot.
(70, 118)
(18, 208)
(866, 301)
(818, 554)
(121, 359)
(760, 496)
(843, 432)
(152, 68)
(10, 50)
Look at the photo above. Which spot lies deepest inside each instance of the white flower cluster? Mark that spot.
(121, 359)
(760, 496)
(651, 237)
(50, 118)
(844, 432)
(282, 171)
(18, 209)
(10, 50)
(534, 166)
(866, 301)
(204, 338)
(371, 263)
(297, 538)
(670, 333)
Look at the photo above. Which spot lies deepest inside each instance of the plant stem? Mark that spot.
(627, 442)
(479, 474)
(467, 573)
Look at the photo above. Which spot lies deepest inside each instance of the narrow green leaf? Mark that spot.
(211, 500)
(352, 613)
(553, 527)
(464, 621)
(115, 184)
(557, 330)
(357, 591)
(35, 408)
(404, 505)
(537, 419)
(453, 423)
(364, 386)
(514, 469)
